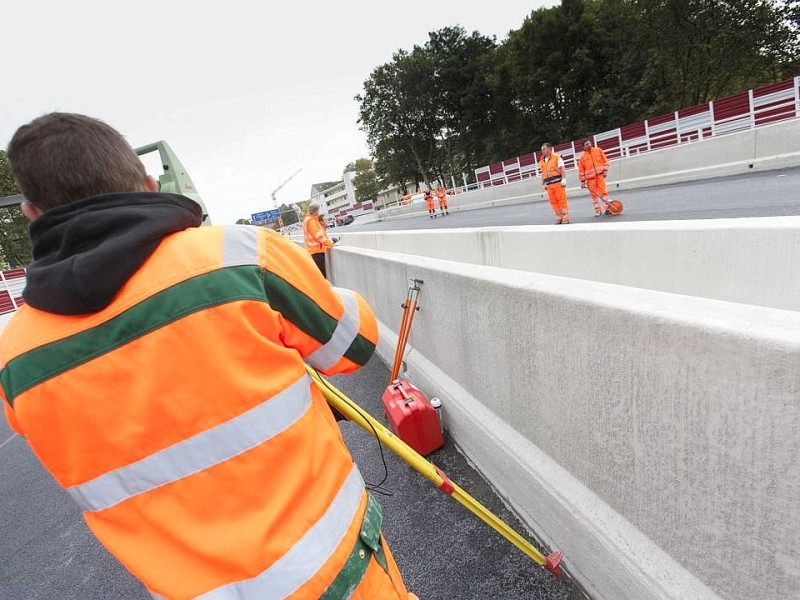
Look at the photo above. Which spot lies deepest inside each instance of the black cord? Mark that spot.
(378, 487)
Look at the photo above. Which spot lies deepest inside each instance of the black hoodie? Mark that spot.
(85, 251)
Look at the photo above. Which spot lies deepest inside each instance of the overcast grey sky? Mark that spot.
(244, 93)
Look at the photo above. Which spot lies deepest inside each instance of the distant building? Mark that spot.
(389, 197)
(320, 192)
(338, 198)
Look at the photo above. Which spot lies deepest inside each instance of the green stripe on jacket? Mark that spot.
(230, 284)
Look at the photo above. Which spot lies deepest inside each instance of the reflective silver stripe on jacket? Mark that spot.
(199, 452)
(240, 245)
(346, 331)
(307, 556)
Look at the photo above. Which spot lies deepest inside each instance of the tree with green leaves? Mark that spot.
(790, 61)
(571, 70)
(288, 214)
(426, 112)
(394, 163)
(460, 87)
(699, 50)
(398, 106)
(365, 180)
(553, 65)
(15, 246)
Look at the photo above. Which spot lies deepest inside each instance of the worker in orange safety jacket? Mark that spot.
(158, 372)
(592, 172)
(441, 194)
(429, 204)
(315, 237)
(554, 179)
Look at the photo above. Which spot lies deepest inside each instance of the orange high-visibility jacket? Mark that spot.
(593, 163)
(550, 169)
(441, 193)
(182, 421)
(315, 235)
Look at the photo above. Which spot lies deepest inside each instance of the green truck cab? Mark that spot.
(174, 179)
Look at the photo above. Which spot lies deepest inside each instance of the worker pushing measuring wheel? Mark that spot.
(592, 173)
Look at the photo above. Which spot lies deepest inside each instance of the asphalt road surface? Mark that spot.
(765, 194)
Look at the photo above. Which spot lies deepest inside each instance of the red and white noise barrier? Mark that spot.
(12, 282)
(746, 110)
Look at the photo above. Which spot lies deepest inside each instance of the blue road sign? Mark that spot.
(267, 215)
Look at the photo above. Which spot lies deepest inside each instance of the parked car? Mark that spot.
(345, 220)
(330, 222)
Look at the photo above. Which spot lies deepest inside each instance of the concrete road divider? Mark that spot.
(652, 436)
(752, 261)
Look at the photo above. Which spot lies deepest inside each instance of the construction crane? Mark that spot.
(277, 189)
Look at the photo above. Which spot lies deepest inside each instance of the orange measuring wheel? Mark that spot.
(614, 207)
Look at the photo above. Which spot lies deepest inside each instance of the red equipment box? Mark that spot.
(411, 417)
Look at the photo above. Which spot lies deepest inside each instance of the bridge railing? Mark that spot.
(12, 282)
(746, 110)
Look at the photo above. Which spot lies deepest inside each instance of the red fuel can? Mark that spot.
(411, 417)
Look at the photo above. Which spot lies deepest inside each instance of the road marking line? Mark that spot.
(9, 439)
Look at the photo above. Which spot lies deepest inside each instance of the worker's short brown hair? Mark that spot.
(62, 157)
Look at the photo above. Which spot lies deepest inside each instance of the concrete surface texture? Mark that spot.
(767, 148)
(653, 436)
(723, 259)
(444, 551)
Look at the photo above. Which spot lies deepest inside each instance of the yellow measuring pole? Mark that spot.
(432, 473)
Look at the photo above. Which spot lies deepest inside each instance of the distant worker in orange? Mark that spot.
(429, 203)
(592, 172)
(554, 179)
(441, 193)
(316, 237)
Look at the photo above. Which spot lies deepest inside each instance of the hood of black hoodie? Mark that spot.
(84, 252)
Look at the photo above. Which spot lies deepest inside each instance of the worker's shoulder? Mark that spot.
(312, 224)
(198, 242)
(243, 233)
(221, 231)
(10, 334)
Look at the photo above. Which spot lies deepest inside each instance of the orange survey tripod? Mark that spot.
(410, 306)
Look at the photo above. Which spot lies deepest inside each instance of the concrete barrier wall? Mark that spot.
(774, 146)
(771, 147)
(652, 437)
(752, 261)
